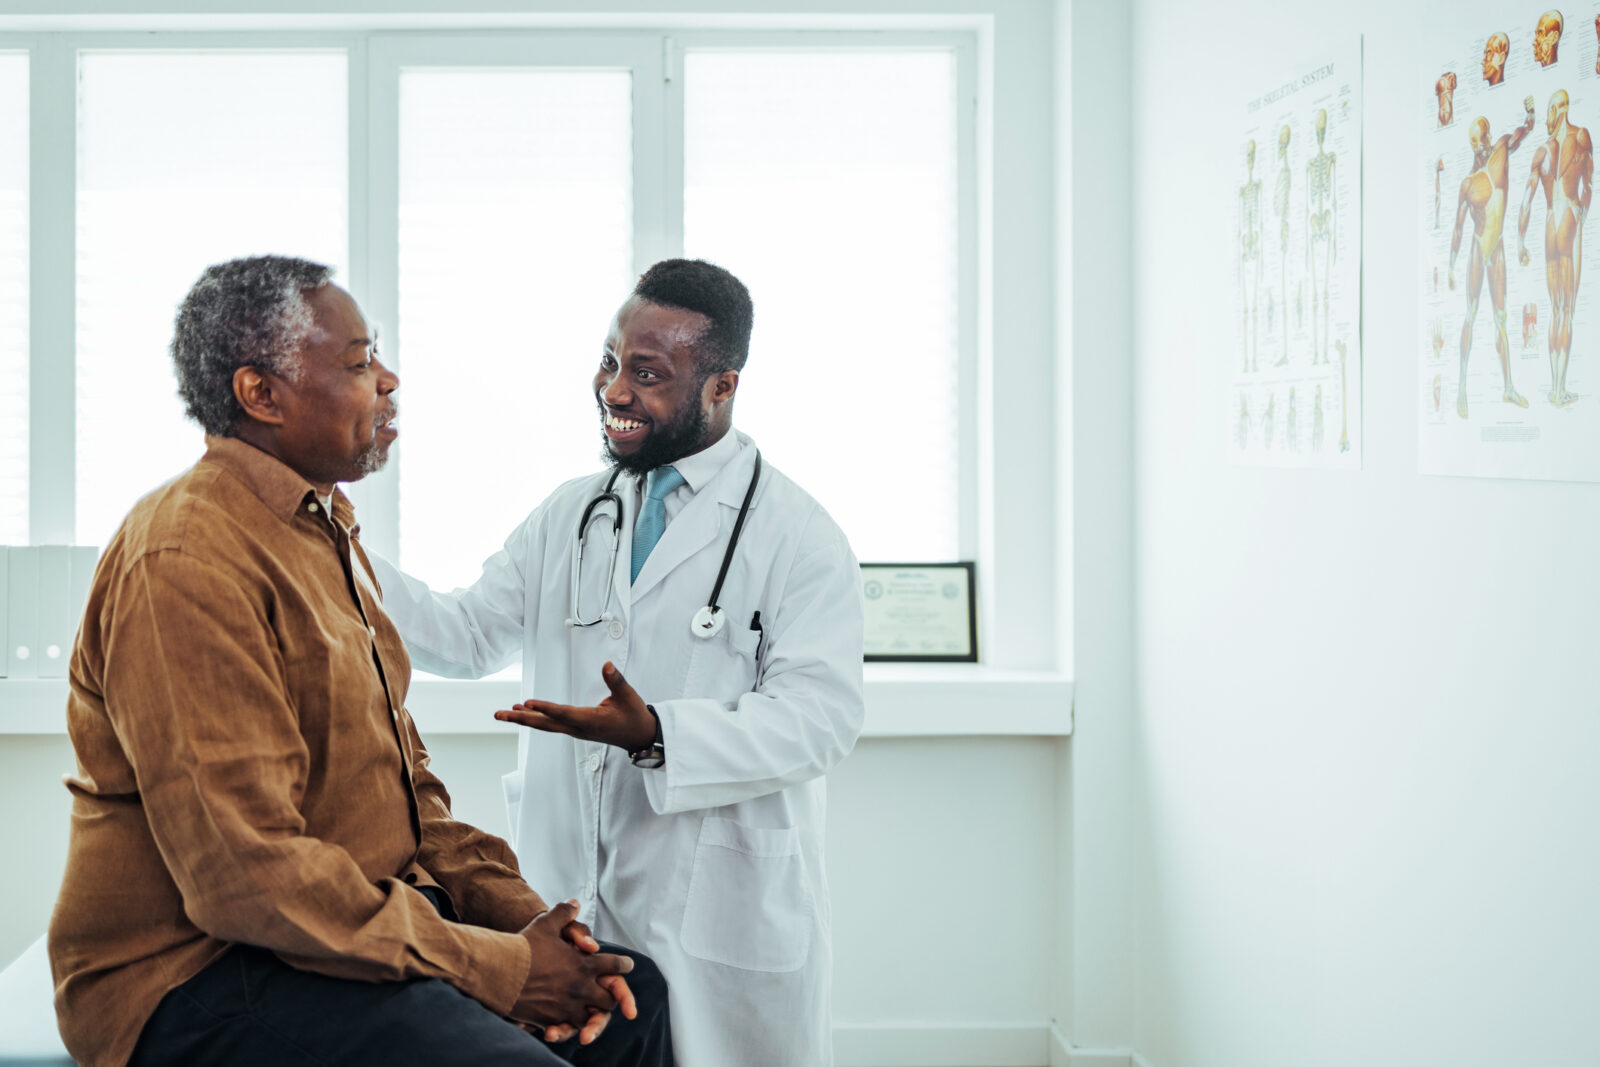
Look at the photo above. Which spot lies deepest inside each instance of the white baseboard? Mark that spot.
(940, 1045)
(1064, 1054)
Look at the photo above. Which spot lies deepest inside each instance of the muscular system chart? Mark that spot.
(1509, 385)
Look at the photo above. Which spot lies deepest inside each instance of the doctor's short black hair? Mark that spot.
(695, 285)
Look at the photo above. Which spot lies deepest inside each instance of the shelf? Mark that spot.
(903, 700)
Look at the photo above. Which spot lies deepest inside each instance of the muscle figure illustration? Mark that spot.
(1438, 392)
(1438, 339)
(1438, 194)
(1268, 417)
(1483, 197)
(1251, 240)
(1547, 37)
(1597, 38)
(1244, 422)
(1495, 51)
(1445, 90)
(1564, 168)
(1280, 204)
(1316, 422)
(1530, 322)
(1322, 235)
(1292, 432)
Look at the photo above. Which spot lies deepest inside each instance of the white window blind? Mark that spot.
(515, 249)
(827, 181)
(13, 298)
(185, 159)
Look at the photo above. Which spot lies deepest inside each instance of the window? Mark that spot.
(827, 180)
(14, 393)
(515, 239)
(184, 159)
(490, 200)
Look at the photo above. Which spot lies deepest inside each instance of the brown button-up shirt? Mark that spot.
(247, 771)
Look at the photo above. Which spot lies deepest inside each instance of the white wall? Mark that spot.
(1093, 999)
(1367, 730)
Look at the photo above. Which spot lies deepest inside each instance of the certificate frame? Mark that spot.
(888, 640)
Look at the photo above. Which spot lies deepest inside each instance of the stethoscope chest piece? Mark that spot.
(707, 622)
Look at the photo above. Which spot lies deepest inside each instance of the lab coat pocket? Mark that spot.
(723, 665)
(749, 903)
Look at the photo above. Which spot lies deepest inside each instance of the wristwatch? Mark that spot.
(654, 754)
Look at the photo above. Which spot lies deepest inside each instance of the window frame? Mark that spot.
(1019, 628)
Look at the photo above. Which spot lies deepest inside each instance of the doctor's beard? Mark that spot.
(667, 442)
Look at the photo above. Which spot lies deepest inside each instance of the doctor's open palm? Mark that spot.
(622, 719)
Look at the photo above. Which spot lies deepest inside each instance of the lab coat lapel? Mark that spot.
(690, 530)
(701, 521)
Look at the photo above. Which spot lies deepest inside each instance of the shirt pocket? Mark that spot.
(749, 903)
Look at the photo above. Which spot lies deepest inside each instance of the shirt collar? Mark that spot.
(704, 465)
(283, 490)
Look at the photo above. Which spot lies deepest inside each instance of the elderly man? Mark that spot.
(262, 867)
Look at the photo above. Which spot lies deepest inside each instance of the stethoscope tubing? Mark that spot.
(609, 494)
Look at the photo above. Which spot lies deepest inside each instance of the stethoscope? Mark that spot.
(709, 620)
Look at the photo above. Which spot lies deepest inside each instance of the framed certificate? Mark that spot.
(920, 613)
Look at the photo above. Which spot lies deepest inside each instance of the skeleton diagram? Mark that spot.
(1280, 204)
(1445, 90)
(1251, 240)
(1316, 422)
(1322, 241)
(1547, 37)
(1483, 196)
(1564, 168)
(1344, 403)
(1292, 421)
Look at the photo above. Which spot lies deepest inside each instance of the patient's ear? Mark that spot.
(256, 393)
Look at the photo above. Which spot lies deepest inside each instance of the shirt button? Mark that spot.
(593, 762)
(372, 631)
(616, 628)
(588, 891)
(411, 878)
(312, 507)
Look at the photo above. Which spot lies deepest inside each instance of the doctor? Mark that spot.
(698, 663)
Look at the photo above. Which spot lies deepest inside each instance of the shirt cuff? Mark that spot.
(497, 966)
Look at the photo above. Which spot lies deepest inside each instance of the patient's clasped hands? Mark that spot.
(571, 983)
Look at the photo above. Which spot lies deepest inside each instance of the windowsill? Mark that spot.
(903, 700)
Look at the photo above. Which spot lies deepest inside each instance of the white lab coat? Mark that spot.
(713, 864)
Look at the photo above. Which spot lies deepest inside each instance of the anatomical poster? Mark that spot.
(1509, 384)
(1294, 395)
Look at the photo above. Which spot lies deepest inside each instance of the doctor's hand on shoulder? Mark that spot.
(622, 719)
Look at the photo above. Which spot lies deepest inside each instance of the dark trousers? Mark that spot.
(250, 1008)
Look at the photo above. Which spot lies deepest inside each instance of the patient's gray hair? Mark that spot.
(243, 313)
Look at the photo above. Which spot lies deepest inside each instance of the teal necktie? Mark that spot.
(652, 520)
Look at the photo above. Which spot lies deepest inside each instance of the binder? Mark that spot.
(56, 612)
(85, 561)
(5, 610)
(22, 599)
